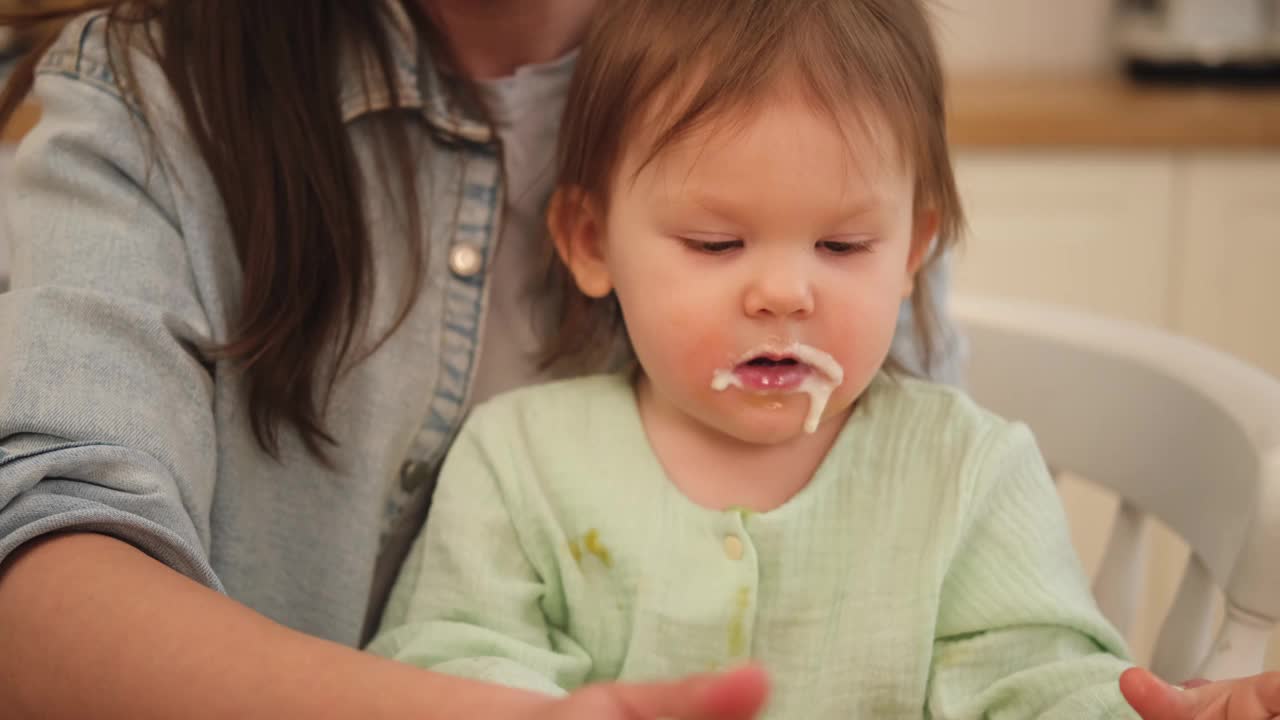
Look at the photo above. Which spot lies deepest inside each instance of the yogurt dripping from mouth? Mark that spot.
(795, 368)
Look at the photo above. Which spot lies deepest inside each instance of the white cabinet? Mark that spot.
(1229, 261)
(1088, 231)
(1187, 241)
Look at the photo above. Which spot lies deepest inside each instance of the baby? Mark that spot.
(748, 190)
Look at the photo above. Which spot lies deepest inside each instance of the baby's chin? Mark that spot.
(771, 419)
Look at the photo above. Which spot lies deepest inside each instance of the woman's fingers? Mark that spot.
(736, 695)
(1253, 698)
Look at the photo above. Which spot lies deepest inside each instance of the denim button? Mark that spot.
(465, 260)
(413, 475)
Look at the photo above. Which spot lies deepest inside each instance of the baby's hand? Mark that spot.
(736, 695)
(1251, 698)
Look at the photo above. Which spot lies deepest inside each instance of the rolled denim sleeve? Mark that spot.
(106, 395)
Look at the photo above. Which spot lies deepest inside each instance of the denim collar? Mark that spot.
(416, 80)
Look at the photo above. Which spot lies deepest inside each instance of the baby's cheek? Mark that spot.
(859, 363)
(676, 342)
(705, 350)
(686, 330)
(860, 346)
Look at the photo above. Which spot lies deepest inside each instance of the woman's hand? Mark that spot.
(735, 695)
(1256, 697)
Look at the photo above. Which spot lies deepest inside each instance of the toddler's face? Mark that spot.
(749, 253)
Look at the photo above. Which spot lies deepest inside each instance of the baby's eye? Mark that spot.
(844, 247)
(710, 246)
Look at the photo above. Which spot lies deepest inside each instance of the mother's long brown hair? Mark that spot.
(257, 81)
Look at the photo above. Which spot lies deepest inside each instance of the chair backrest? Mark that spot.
(1178, 431)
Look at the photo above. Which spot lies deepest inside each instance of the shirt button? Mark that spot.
(465, 260)
(733, 547)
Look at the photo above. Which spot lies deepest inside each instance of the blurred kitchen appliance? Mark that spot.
(1199, 40)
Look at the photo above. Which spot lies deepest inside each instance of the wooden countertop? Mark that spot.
(1105, 111)
(1080, 111)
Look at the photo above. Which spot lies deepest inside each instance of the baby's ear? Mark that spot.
(576, 225)
(923, 235)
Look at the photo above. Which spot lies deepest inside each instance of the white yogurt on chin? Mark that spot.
(817, 385)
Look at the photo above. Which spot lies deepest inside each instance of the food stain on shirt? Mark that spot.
(737, 626)
(591, 543)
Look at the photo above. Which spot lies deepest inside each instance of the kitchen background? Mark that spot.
(1156, 204)
(1153, 203)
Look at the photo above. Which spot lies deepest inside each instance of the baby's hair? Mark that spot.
(657, 70)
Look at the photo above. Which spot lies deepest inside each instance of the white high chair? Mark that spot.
(1178, 431)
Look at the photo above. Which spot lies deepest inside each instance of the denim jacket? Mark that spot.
(115, 417)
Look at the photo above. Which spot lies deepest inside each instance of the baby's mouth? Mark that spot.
(795, 368)
(772, 373)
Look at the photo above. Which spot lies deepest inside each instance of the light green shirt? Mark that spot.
(925, 571)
